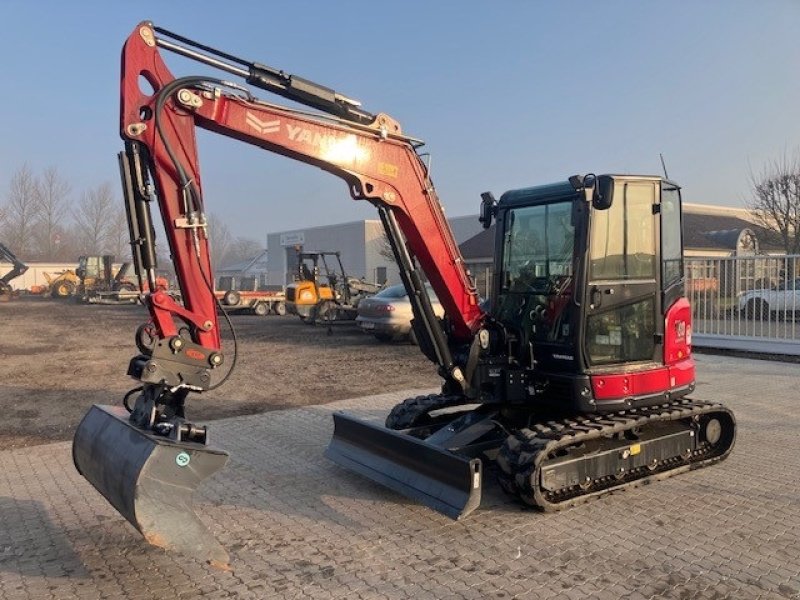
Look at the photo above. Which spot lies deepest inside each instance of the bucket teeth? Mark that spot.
(149, 480)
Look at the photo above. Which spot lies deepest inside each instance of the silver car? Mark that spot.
(387, 315)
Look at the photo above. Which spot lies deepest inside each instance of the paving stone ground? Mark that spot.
(298, 526)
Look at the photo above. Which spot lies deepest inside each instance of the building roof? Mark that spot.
(721, 232)
(480, 246)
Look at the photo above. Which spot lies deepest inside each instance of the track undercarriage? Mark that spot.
(548, 461)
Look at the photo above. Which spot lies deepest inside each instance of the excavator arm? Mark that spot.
(370, 153)
(146, 478)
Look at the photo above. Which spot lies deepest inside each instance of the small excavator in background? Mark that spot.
(574, 381)
(18, 268)
(332, 296)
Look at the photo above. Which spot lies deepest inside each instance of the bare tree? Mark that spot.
(776, 200)
(71, 243)
(53, 210)
(21, 212)
(93, 218)
(118, 241)
(220, 240)
(386, 249)
(243, 249)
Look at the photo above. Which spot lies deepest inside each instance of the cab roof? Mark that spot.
(554, 192)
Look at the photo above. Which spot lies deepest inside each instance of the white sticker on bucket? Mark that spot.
(182, 459)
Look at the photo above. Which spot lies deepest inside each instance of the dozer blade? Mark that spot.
(444, 481)
(149, 480)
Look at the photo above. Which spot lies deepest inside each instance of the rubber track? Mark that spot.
(521, 457)
(412, 411)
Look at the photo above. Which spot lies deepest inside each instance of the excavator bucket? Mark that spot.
(431, 475)
(149, 480)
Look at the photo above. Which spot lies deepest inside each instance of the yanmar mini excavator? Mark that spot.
(574, 382)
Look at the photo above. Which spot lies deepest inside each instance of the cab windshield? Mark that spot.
(538, 248)
(537, 284)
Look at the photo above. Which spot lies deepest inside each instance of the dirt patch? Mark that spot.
(59, 358)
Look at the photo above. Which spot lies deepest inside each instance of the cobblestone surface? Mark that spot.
(298, 526)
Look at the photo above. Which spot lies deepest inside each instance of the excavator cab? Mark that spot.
(585, 286)
(95, 271)
(90, 268)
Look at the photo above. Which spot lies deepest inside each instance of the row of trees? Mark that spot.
(227, 249)
(42, 219)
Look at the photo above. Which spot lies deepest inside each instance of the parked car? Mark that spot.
(781, 301)
(387, 315)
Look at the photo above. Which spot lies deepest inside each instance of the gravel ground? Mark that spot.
(58, 358)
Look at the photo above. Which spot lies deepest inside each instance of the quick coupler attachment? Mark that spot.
(429, 474)
(149, 479)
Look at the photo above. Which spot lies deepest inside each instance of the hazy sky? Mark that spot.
(506, 94)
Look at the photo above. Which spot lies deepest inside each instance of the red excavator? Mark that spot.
(572, 382)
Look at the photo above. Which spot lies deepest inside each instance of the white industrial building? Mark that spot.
(362, 245)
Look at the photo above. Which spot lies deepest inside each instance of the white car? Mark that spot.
(781, 301)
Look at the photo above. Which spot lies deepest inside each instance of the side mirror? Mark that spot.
(603, 195)
(597, 190)
(487, 211)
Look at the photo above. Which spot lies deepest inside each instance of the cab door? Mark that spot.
(623, 301)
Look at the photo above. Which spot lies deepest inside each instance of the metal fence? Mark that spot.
(749, 303)
(745, 303)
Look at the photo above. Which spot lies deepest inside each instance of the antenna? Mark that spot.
(663, 165)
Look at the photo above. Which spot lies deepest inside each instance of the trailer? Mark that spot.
(261, 302)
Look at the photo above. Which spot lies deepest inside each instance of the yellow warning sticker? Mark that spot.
(388, 169)
(635, 449)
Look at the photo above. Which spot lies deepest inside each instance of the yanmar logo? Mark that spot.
(314, 138)
(260, 126)
(330, 146)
